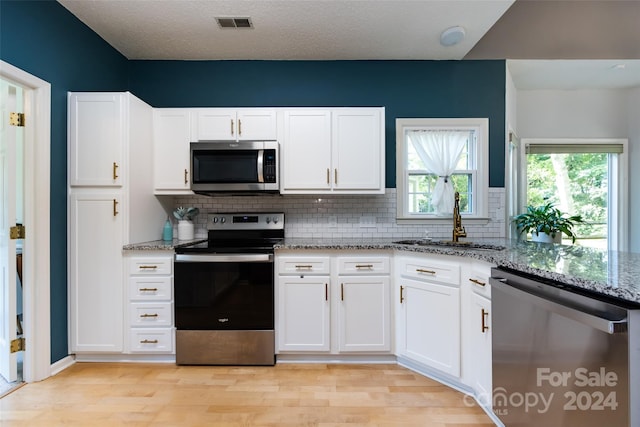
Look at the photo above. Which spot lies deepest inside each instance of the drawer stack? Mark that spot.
(151, 304)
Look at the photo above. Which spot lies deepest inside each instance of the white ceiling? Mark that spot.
(288, 29)
(557, 44)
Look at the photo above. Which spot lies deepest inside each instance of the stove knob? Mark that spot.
(223, 220)
(268, 220)
(275, 219)
(215, 220)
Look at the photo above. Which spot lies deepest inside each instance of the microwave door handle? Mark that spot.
(260, 165)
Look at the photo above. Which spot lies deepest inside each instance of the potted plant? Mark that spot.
(547, 223)
(185, 225)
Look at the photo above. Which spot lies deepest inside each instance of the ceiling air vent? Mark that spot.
(238, 22)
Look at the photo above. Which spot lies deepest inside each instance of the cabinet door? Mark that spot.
(303, 313)
(214, 124)
(256, 124)
(357, 149)
(306, 152)
(429, 330)
(171, 138)
(96, 139)
(95, 272)
(364, 316)
(480, 345)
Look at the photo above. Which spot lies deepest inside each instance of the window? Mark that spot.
(433, 154)
(581, 177)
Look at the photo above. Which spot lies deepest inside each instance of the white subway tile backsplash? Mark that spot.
(330, 216)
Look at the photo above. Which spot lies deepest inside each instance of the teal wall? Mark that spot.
(405, 88)
(44, 39)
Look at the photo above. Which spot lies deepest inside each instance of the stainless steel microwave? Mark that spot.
(239, 167)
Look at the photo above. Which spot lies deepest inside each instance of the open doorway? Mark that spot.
(36, 280)
(11, 238)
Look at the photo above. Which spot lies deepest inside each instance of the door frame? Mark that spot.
(37, 176)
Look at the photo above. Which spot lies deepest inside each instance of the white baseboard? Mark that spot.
(62, 364)
(126, 358)
(336, 358)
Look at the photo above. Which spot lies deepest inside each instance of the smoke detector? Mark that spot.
(452, 36)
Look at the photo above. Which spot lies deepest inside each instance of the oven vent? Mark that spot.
(237, 22)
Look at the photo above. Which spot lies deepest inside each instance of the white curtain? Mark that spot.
(440, 151)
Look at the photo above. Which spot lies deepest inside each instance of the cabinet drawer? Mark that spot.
(158, 340)
(479, 279)
(151, 265)
(432, 270)
(304, 265)
(151, 314)
(363, 265)
(153, 288)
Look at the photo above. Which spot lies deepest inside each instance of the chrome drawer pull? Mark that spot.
(304, 266)
(477, 282)
(148, 289)
(420, 270)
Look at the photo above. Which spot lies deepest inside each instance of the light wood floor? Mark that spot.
(112, 394)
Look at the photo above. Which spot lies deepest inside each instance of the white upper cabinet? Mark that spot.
(357, 148)
(306, 151)
(237, 124)
(171, 138)
(97, 124)
(333, 150)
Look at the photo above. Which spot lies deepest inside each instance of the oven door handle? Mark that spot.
(225, 258)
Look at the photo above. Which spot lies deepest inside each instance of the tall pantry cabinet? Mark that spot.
(111, 203)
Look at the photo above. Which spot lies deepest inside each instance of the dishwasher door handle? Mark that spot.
(596, 322)
(225, 258)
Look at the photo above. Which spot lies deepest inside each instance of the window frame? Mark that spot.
(480, 174)
(618, 226)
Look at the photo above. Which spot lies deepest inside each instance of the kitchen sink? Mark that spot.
(451, 244)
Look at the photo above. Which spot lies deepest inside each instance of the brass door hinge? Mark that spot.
(17, 345)
(16, 119)
(17, 232)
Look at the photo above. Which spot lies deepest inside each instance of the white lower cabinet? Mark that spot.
(476, 320)
(428, 313)
(150, 303)
(304, 313)
(330, 304)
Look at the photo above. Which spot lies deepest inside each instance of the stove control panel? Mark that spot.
(246, 221)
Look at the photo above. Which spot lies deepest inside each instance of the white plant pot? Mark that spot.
(546, 238)
(185, 230)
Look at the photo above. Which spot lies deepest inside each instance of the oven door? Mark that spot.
(219, 292)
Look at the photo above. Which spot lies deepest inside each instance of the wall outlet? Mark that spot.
(367, 221)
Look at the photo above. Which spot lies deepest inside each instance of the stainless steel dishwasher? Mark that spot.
(561, 356)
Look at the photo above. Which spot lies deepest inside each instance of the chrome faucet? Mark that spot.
(458, 229)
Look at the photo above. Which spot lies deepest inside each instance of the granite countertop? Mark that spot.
(605, 272)
(160, 245)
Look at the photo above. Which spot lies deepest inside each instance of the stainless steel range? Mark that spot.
(224, 292)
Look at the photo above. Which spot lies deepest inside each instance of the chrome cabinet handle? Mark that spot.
(401, 297)
(306, 266)
(326, 292)
(148, 289)
(364, 265)
(341, 291)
